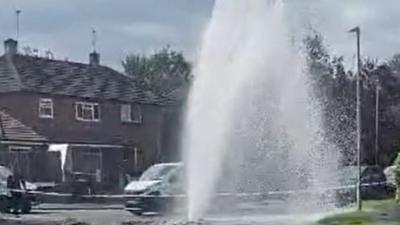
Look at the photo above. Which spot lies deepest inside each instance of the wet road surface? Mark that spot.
(271, 212)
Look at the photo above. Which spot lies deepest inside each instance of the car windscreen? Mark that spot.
(157, 172)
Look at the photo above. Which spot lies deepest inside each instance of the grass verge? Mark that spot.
(384, 212)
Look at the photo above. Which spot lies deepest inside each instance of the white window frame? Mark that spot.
(46, 103)
(125, 119)
(91, 106)
(129, 113)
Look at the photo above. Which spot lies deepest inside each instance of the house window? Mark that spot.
(85, 111)
(131, 113)
(46, 108)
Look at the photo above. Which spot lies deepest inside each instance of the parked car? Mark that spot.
(6, 172)
(23, 205)
(156, 190)
(373, 181)
(26, 201)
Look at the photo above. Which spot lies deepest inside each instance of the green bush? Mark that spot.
(397, 176)
(397, 170)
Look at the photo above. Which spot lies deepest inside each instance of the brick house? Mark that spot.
(110, 126)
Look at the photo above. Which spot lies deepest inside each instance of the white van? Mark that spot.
(156, 190)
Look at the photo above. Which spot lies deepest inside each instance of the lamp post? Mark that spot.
(377, 96)
(17, 13)
(358, 109)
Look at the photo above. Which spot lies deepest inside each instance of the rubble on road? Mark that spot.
(18, 221)
(161, 223)
(73, 222)
(139, 223)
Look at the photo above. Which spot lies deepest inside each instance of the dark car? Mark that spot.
(27, 197)
(9, 204)
(373, 184)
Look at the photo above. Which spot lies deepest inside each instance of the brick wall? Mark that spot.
(64, 128)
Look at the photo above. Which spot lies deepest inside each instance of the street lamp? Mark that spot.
(377, 96)
(358, 109)
(17, 13)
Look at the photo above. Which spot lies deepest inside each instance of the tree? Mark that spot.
(334, 89)
(389, 113)
(394, 64)
(319, 67)
(161, 73)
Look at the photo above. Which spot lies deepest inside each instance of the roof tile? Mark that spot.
(28, 73)
(12, 129)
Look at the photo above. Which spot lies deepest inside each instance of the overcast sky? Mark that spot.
(142, 26)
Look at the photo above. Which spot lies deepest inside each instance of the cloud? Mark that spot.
(150, 29)
(123, 26)
(142, 26)
(333, 18)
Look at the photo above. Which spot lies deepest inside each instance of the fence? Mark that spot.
(35, 166)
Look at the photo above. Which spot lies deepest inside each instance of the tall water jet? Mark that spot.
(250, 103)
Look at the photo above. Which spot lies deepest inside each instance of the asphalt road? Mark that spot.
(274, 212)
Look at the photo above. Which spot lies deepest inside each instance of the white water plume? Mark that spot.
(250, 103)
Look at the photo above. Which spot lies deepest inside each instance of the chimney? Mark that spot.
(10, 46)
(94, 58)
